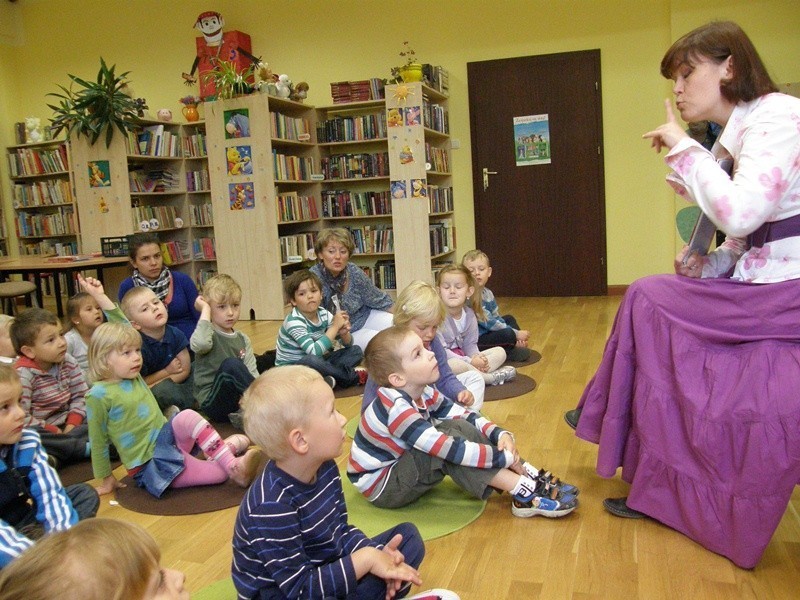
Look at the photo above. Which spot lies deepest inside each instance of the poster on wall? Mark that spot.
(99, 173)
(241, 196)
(237, 123)
(238, 159)
(532, 140)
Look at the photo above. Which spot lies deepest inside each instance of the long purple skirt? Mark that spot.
(697, 398)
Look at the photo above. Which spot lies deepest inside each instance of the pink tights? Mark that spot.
(190, 429)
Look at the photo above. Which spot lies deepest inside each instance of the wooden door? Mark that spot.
(542, 225)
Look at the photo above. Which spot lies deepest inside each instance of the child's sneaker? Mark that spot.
(435, 594)
(549, 479)
(331, 381)
(362, 375)
(502, 375)
(238, 443)
(542, 501)
(243, 468)
(171, 411)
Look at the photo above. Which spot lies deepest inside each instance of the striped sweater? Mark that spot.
(298, 336)
(393, 423)
(493, 322)
(292, 540)
(55, 398)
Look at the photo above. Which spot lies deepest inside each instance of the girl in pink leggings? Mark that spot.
(121, 409)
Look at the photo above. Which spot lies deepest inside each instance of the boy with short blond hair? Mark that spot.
(166, 363)
(224, 361)
(292, 538)
(32, 499)
(410, 437)
(495, 330)
(53, 385)
(309, 332)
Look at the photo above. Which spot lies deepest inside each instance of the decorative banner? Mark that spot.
(532, 140)
(241, 196)
(237, 123)
(99, 173)
(238, 159)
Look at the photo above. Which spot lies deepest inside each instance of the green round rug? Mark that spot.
(219, 590)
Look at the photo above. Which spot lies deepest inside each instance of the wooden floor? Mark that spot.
(588, 554)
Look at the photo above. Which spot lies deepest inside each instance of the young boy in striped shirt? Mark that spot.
(309, 332)
(292, 538)
(411, 436)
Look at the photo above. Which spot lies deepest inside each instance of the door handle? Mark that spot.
(486, 173)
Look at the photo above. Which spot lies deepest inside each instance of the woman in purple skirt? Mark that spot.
(696, 396)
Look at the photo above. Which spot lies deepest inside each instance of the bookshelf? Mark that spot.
(45, 219)
(266, 191)
(198, 195)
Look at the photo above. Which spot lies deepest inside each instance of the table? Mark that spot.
(37, 265)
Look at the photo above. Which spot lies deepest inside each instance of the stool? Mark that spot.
(9, 290)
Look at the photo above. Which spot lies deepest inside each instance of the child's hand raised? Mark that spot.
(91, 286)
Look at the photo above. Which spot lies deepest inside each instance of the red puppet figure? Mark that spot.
(215, 46)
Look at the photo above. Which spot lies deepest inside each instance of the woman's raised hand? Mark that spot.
(668, 134)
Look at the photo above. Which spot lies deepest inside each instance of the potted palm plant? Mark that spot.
(230, 82)
(90, 108)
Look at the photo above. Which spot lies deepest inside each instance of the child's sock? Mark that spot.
(525, 489)
(190, 428)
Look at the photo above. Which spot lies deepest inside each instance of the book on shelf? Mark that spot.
(204, 249)
(347, 203)
(355, 166)
(174, 251)
(357, 91)
(292, 207)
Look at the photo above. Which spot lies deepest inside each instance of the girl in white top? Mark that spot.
(459, 332)
(84, 316)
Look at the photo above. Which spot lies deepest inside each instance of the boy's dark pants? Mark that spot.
(506, 338)
(232, 379)
(84, 500)
(417, 472)
(339, 364)
(66, 448)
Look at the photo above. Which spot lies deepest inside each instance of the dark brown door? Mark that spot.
(542, 225)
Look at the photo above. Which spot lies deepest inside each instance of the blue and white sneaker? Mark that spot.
(543, 503)
(551, 480)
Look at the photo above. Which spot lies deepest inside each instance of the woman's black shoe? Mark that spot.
(619, 508)
(572, 416)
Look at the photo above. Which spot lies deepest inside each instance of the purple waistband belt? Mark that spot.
(775, 230)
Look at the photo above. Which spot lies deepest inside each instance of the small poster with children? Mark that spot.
(532, 140)
(242, 196)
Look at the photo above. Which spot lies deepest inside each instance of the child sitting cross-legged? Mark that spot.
(459, 332)
(166, 364)
(309, 332)
(122, 410)
(84, 317)
(224, 363)
(495, 330)
(292, 538)
(411, 436)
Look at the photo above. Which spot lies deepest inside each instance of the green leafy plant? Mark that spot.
(228, 81)
(408, 54)
(95, 106)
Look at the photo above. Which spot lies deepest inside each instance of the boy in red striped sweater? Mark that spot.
(411, 436)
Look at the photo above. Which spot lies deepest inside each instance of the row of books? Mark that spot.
(437, 78)
(289, 128)
(298, 247)
(204, 249)
(442, 237)
(292, 207)
(437, 267)
(154, 140)
(201, 215)
(352, 129)
(194, 146)
(355, 166)
(175, 251)
(357, 91)
(60, 222)
(198, 181)
(165, 215)
(23, 162)
(383, 274)
(438, 157)
(372, 239)
(204, 275)
(435, 116)
(292, 168)
(49, 248)
(42, 193)
(440, 200)
(346, 203)
(154, 180)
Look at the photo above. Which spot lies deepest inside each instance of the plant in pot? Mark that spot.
(96, 106)
(229, 82)
(411, 70)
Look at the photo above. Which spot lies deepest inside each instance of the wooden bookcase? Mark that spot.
(46, 222)
(256, 153)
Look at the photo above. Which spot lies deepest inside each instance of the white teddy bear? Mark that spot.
(33, 126)
(284, 85)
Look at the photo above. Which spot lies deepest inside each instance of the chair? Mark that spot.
(10, 290)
